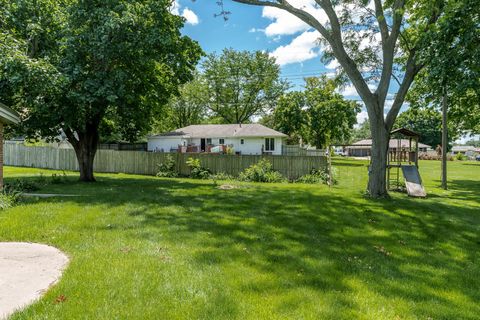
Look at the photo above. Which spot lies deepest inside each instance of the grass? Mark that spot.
(151, 248)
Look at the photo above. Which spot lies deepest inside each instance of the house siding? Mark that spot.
(251, 146)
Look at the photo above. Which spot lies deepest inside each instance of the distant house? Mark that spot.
(242, 138)
(467, 150)
(363, 148)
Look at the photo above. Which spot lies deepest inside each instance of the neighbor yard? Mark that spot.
(150, 248)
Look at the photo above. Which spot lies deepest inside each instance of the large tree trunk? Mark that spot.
(85, 149)
(377, 182)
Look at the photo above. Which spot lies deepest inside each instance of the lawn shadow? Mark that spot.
(322, 240)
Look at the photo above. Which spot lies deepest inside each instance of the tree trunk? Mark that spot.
(85, 149)
(377, 174)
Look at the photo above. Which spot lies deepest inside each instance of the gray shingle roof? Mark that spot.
(223, 131)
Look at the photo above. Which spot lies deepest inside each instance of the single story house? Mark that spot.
(247, 139)
(363, 148)
(466, 150)
(7, 116)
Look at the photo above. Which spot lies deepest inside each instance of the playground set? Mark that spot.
(404, 158)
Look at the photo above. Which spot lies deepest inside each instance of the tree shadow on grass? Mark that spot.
(420, 251)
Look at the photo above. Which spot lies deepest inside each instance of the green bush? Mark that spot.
(22, 185)
(460, 156)
(9, 197)
(167, 168)
(262, 171)
(196, 169)
(221, 176)
(58, 178)
(317, 176)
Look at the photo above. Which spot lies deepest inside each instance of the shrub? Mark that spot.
(9, 197)
(221, 176)
(196, 169)
(262, 171)
(167, 168)
(59, 178)
(317, 176)
(460, 156)
(22, 185)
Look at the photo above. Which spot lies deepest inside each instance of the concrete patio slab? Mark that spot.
(27, 270)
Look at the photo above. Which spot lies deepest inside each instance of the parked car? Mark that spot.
(477, 158)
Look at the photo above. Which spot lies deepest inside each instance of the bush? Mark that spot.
(317, 176)
(262, 171)
(221, 176)
(59, 178)
(167, 168)
(22, 185)
(196, 169)
(9, 197)
(460, 156)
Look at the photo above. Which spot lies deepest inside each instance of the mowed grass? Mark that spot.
(150, 248)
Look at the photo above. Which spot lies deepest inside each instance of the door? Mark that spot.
(202, 144)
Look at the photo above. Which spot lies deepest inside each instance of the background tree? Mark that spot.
(361, 132)
(330, 118)
(427, 122)
(78, 62)
(242, 84)
(190, 105)
(452, 65)
(289, 117)
(366, 37)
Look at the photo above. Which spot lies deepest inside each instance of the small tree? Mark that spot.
(330, 118)
(242, 84)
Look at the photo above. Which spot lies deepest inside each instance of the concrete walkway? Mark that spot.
(27, 270)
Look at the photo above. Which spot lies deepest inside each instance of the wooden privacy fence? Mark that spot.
(140, 162)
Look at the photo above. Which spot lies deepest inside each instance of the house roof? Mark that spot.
(463, 148)
(405, 132)
(8, 115)
(223, 131)
(367, 143)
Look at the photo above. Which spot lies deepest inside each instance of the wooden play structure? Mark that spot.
(403, 156)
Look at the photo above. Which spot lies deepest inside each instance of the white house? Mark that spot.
(243, 138)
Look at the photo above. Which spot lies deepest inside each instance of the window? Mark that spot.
(269, 144)
(221, 141)
(209, 140)
(242, 141)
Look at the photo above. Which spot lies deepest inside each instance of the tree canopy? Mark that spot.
(241, 84)
(68, 65)
(318, 115)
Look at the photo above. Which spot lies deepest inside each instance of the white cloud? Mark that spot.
(302, 48)
(175, 8)
(334, 64)
(361, 117)
(350, 91)
(285, 23)
(190, 16)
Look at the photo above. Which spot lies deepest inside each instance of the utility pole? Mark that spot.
(444, 137)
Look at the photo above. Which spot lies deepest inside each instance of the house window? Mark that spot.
(221, 141)
(242, 141)
(269, 144)
(209, 140)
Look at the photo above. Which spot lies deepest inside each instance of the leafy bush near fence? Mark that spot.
(9, 197)
(461, 157)
(196, 169)
(262, 171)
(320, 176)
(167, 168)
(221, 176)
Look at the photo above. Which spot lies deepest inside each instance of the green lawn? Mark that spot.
(150, 248)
